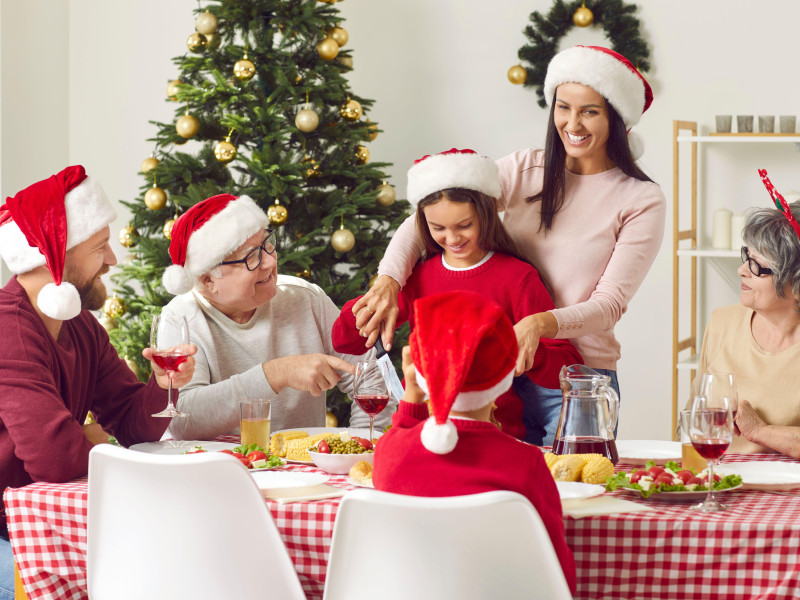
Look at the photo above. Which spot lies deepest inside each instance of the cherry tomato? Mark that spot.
(663, 479)
(196, 451)
(323, 447)
(693, 480)
(716, 478)
(244, 461)
(684, 475)
(655, 471)
(637, 475)
(238, 455)
(365, 443)
(256, 455)
(226, 451)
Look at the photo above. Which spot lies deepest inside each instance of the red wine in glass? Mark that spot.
(169, 361)
(372, 404)
(369, 390)
(586, 445)
(169, 341)
(710, 449)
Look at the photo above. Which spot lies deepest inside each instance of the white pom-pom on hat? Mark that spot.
(175, 280)
(60, 302)
(439, 439)
(636, 145)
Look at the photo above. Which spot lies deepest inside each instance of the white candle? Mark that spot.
(737, 224)
(721, 237)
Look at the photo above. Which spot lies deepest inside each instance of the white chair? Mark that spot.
(181, 528)
(482, 546)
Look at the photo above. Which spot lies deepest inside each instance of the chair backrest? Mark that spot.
(181, 527)
(482, 546)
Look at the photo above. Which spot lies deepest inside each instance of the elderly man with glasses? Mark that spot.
(259, 334)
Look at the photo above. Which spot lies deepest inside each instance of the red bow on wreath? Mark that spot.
(779, 201)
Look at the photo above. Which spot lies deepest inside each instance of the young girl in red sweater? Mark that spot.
(467, 248)
(462, 352)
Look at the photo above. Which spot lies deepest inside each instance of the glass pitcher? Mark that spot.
(589, 413)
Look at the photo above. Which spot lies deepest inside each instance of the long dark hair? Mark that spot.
(493, 234)
(555, 161)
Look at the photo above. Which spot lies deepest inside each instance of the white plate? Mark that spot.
(764, 475)
(275, 480)
(358, 432)
(638, 452)
(575, 490)
(681, 496)
(181, 446)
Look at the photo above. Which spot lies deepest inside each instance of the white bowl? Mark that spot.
(339, 464)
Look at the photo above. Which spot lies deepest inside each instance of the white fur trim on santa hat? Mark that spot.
(88, 211)
(452, 170)
(60, 302)
(603, 73)
(475, 399)
(636, 145)
(222, 234)
(176, 280)
(439, 439)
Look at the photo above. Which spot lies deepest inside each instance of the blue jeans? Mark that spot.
(6, 570)
(541, 408)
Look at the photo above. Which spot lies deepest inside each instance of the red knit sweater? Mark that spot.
(483, 460)
(48, 386)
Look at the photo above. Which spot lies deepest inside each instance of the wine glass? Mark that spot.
(169, 340)
(369, 390)
(720, 384)
(711, 432)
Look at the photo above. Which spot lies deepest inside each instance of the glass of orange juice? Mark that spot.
(255, 422)
(690, 459)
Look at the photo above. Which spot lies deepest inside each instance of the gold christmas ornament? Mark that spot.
(206, 22)
(187, 126)
(350, 110)
(277, 213)
(347, 61)
(305, 273)
(328, 1)
(362, 154)
(167, 230)
(338, 35)
(172, 89)
(373, 280)
(312, 166)
(517, 74)
(127, 236)
(386, 194)
(225, 151)
(327, 49)
(149, 163)
(213, 41)
(108, 323)
(196, 42)
(373, 130)
(155, 198)
(132, 366)
(114, 307)
(307, 119)
(343, 240)
(244, 69)
(583, 17)
(330, 419)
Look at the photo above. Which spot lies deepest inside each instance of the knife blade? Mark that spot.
(387, 371)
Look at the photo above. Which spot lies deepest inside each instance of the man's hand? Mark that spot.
(413, 393)
(95, 434)
(180, 377)
(312, 373)
(376, 312)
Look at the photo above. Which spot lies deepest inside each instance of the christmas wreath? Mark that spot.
(616, 18)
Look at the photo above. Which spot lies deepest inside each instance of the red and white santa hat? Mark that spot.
(612, 76)
(464, 350)
(452, 169)
(43, 221)
(208, 232)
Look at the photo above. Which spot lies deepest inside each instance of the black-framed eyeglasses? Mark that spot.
(252, 259)
(755, 268)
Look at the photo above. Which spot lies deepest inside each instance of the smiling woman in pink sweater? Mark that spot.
(581, 209)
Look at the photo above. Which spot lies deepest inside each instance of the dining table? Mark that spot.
(751, 550)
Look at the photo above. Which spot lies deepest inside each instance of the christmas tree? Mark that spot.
(263, 109)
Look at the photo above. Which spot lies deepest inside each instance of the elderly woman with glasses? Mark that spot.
(259, 334)
(758, 340)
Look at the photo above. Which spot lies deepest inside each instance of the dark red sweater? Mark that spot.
(47, 387)
(483, 460)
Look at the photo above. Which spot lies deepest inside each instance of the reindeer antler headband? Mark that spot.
(779, 201)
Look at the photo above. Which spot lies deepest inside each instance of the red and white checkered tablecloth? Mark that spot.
(750, 551)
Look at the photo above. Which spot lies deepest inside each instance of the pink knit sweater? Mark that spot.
(602, 243)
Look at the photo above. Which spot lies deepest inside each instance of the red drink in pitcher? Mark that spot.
(587, 445)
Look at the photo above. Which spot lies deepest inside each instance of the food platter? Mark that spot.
(356, 431)
(181, 446)
(764, 475)
(575, 490)
(693, 496)
(638, 452)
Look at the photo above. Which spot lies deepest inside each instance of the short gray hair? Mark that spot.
(214, 271)
(768, 231)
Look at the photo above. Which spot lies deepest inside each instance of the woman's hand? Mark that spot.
(413, 393)
(748, 422)
(180, 377)
(376, 312)
(528, 331)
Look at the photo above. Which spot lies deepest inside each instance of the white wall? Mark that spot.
(437, 70)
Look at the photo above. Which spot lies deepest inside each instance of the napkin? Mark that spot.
(598, 506)
(306, 493)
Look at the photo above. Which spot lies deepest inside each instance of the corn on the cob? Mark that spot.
(277, 444)
(597, 469)
(551, 459)
(297, 449)
(568, 467)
